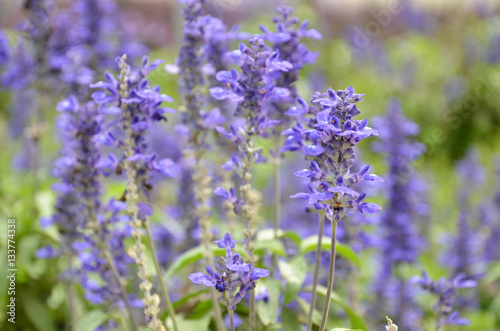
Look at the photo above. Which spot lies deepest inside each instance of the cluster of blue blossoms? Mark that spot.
(232, 277)
(328, 142)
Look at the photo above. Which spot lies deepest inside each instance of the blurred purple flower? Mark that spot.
(446, 293)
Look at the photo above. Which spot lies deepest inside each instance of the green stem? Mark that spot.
(321, 214)
(122, 322)
(217, 313)
(252, 316)
(331, 276)
(123, 292)
(159, 273)
(95, 229)
(231, 317)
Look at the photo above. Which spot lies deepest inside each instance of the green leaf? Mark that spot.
(356, 320)
(341, 329)
(310, 244)
(190, 324)
(268, 234)
(268, 311)
(202, 309)
(184, 299)
(28, 245)
(294, 274)
(91, 320)
(57, 296)
(289, 320)
(45, 201)
(189, 257)
(274, 245)
(493, 273)
(195, 254)
(304, 305)
(38, 313)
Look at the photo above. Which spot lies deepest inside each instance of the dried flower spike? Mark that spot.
(390, 326)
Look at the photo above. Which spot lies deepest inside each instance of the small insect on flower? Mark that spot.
(232, 276)
(337, 206)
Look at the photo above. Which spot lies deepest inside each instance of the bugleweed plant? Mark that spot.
(136, 201)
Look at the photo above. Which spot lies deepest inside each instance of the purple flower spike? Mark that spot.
(333, 132)
(446, 292)
(232, 277)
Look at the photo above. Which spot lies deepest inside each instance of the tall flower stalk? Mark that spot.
(38, 29)
(151, 300)
(251, 90)
(400, 242)
(91, 232)
(138, 106)
(333, 133)
(197, 121)
(464, 255)
(287, 41)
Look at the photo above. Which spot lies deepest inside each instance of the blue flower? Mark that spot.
(233, 277)
(227, 242)
(333, 132)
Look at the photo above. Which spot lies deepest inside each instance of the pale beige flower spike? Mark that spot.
(390, 326)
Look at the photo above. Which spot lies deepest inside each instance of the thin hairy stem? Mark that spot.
(248, 213)
(123, 292)
(96, 229)
(252, 314)
(326, 308)
(159, 274)
(321, 216)
(151, 300)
